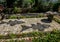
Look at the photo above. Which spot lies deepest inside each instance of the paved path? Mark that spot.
(26, 25)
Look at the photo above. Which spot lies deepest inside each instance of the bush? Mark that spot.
(17, 10)
(1, 36)
(22, 17)
(53, 36)
(48, 37)
(13, 17)
(28, 16)
(6, 10)
(12, 36)
(57, 20)
(40, 15)
(11, 41)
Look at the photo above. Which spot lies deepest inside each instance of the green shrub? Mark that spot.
(53, 36)
(28, 17)
(17, 10)
(15, 17)
(57, 20)
(33, 34)
(11, 40)
(22, 17)
(1, 36)
(12, 36)
(6, 10)
(41, 15)
(12, 17)
(48, 37)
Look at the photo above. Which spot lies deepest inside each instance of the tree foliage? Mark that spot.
(35, 5)
(10, 3)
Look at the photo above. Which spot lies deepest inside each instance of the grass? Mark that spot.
(57, 20)
(15, 17)
(32, 34)
(12, 17)
(53, 36)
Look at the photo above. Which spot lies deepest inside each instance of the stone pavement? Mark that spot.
(26, 25)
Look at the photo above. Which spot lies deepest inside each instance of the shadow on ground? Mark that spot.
(38, 26)
(12, 23)
(45, 21)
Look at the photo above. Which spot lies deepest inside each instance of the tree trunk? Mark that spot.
(36, 2)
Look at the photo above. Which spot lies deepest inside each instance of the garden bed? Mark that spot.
(52, 36)
(57, 19)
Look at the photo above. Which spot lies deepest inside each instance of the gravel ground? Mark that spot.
(26, 25)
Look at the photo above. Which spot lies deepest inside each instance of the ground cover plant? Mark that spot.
(53, 36)
(27, 16)
(57, 20)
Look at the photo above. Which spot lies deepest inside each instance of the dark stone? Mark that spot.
(50, 17)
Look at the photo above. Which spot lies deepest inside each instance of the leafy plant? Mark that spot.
(57, 20)
(12, 17)
(16, 10)
(12, 36)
